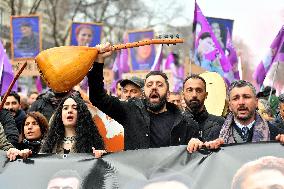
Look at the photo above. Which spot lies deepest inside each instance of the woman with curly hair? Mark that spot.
(72, 129)
(34, 129)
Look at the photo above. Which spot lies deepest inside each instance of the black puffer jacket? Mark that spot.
(209, 125)
(19, 119)
(10, 129)
(45, 104)
(134, 117)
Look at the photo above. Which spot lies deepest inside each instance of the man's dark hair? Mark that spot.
(161, 74)
(194, 76)
(239, 84)
(15, 95)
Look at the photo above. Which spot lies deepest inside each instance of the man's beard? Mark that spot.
(194, 105)
(247, 117)
(156, 107)
(13, 112)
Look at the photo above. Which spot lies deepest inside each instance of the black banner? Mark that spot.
(135, 169)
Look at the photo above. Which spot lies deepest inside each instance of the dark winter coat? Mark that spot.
(9, 125)
(19, 119)
(278, 122)
(45, 105)
(4, 143)
(133, 115)
(209, 125)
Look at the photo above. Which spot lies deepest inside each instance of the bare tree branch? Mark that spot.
(105, 5)
(35, 6)
(12, 6)
(53, 20)
(20, 7)
(72, 18)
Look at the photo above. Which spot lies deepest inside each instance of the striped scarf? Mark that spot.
(260, 130)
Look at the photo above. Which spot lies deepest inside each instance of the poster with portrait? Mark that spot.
(141, 58)
(25, 36)
(86, 34)
(219, 27)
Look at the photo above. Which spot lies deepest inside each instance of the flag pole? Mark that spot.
(12, 84)
(190, 67)
(240, 67)
(273, 80)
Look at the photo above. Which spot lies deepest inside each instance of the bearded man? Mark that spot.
(13, 104)
(194, 92)
(243, 124)
(149, 122)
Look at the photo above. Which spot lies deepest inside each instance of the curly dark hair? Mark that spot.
(40, 119)
(87, 134)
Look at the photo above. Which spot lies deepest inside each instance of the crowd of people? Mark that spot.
(152, 116)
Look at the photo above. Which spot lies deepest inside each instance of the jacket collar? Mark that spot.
(199, 116)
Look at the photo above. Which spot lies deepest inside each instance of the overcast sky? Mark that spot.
(257, 22)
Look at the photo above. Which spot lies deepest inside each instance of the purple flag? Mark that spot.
(208, 52)
(277, 46)
(120, 65)
(6, 72)
(178, 79)
(275, 54)
(38, 84)
(178, 72)
(124, 66)
(117, 72)
(232, 55)
(116, 68)
(170, 62)
(158, 59)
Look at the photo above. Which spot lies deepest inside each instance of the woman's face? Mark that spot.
(69, 113)
(32, 129)
(144, 52)
(85, 37)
